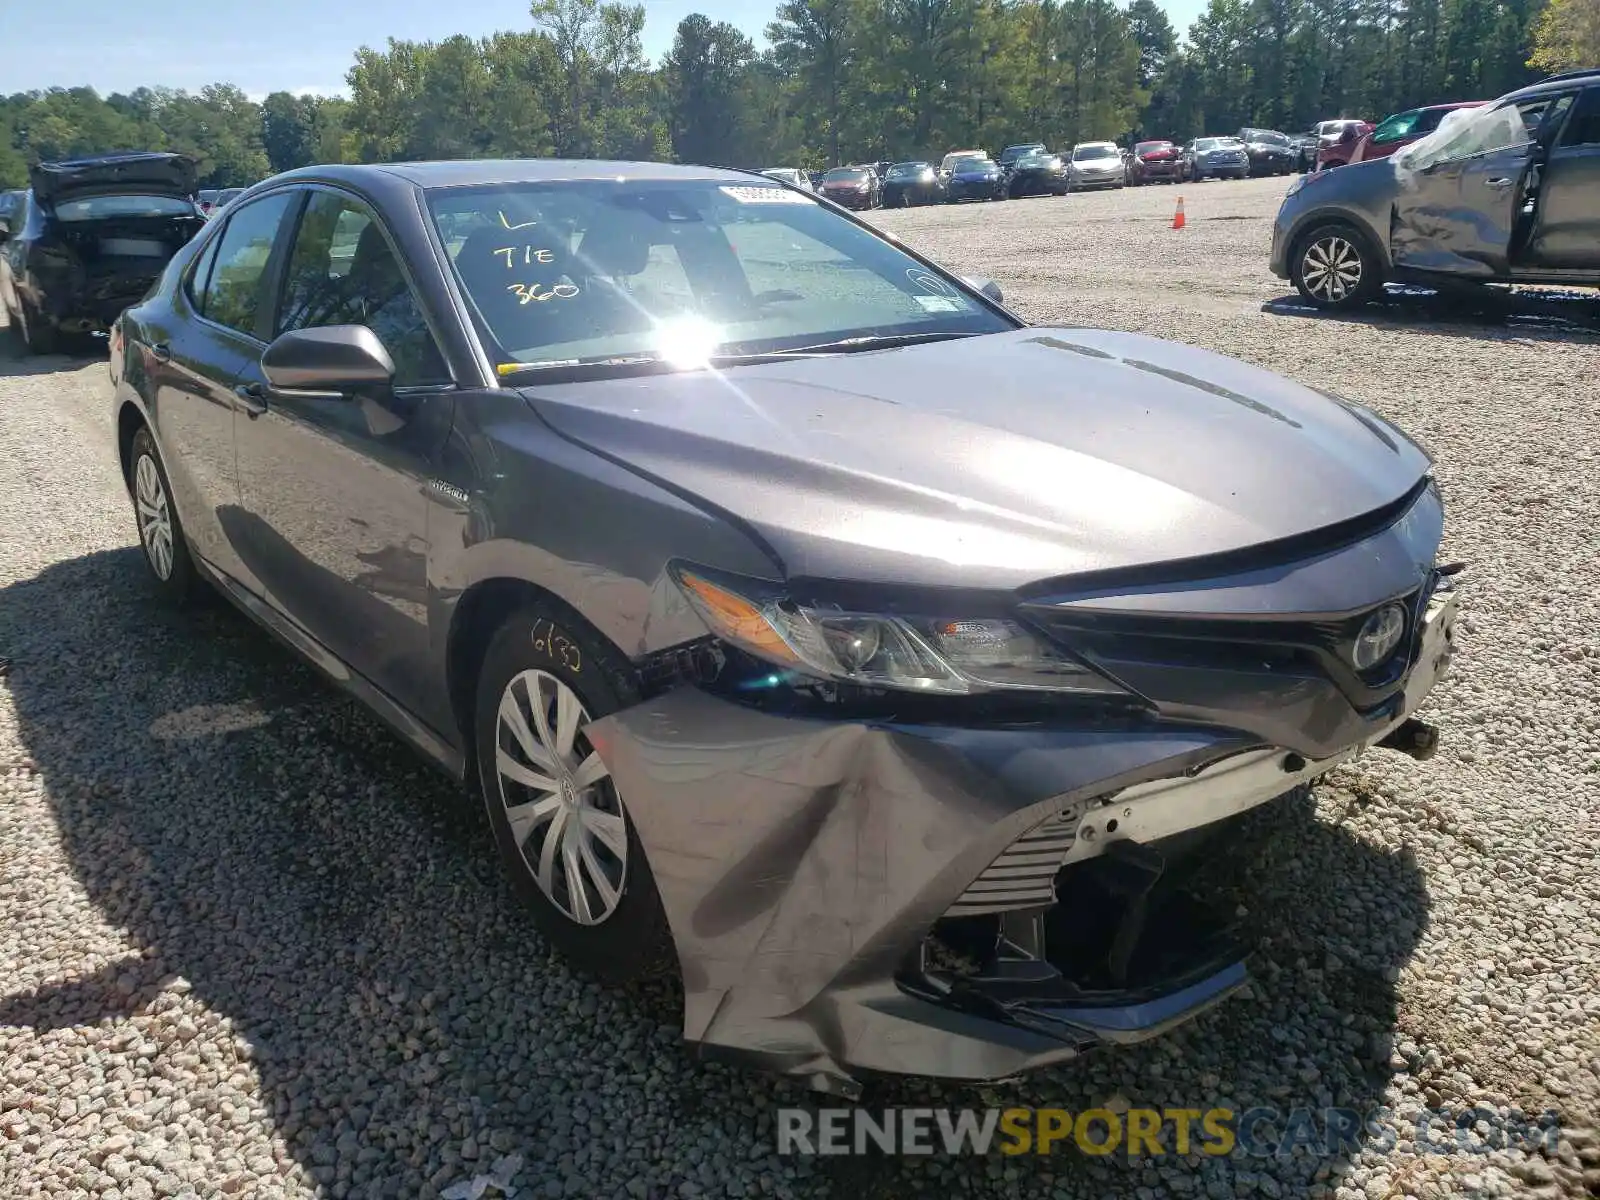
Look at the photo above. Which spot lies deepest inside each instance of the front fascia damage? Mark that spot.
(804, 861)
(799, 862)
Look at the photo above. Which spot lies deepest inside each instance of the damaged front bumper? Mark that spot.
(852, 897)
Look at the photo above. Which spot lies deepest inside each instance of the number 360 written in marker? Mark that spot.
(527, 293)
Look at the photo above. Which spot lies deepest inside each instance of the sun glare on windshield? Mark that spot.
(687, 341)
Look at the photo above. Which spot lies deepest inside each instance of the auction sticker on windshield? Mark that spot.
(765, 195)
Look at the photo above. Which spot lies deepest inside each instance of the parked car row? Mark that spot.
(1500, 192)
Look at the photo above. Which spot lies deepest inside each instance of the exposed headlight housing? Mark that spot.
(932, 655)
(1379, 636)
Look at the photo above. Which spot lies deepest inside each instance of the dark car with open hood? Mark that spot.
(809, 625)
(1504, 192)
(89, 237)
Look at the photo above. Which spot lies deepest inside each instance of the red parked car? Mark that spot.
(1404, 128)
(1154, 160)
(1337, 142)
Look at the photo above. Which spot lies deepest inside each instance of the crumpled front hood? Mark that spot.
(1000, 460)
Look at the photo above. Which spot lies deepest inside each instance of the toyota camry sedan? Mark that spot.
(810, 625)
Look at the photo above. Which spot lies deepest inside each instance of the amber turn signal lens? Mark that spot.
(737, 619)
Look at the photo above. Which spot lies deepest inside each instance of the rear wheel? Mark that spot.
(166, 549)
(559, 821)
(1334, 266)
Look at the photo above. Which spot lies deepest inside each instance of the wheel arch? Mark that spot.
(478, 614)
(130, 419)
(1339, 215)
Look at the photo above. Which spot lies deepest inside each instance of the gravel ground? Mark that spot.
(248, 946)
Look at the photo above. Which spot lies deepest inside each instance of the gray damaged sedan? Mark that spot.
(1505, 193)
(811, 626)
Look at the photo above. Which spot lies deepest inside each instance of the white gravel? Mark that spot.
(248, 946)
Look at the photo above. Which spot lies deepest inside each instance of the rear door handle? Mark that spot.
(161, 352)
(1500, 182)
(253, 399)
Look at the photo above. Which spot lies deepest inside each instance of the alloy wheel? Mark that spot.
(560, 803)
(155, 516)
(1331, 268)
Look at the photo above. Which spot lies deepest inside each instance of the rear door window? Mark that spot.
(237, 280)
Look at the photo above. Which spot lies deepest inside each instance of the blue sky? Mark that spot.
(292, 45)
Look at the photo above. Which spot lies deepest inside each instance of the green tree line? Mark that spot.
(839, 81)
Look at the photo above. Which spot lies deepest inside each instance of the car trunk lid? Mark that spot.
(110, 174)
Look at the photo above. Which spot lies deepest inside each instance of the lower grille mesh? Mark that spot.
(1024, 876)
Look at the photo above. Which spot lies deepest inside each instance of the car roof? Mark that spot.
(1555, 83)
(488, 172)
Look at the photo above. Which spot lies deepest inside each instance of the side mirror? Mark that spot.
(333, 359)
(982, 283)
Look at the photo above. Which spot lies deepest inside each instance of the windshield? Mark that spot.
(1147, 147)
(1397, 127)
(1086, 152)
(909, 170)
(1038, 161)
(1014, 152)
(845, 175)
(971, 163)
(95, 208)
(1267, 137)
(596, 271)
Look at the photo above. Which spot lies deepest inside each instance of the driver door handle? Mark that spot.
(1499, 181)
(253, 399)
(161, 352)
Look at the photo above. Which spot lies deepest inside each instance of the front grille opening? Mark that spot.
(1127, 924)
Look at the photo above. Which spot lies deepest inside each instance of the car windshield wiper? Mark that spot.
(584, 366)
(849, 345)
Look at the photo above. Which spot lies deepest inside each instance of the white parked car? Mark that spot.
(1096, 164)
(790, 175)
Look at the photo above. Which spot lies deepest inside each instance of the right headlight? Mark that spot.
(942, 655)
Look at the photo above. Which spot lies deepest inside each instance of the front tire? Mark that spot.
(166, 547)
(1335, 267)
(559, 822)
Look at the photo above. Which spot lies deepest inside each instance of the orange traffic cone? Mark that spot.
(1177, 217)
